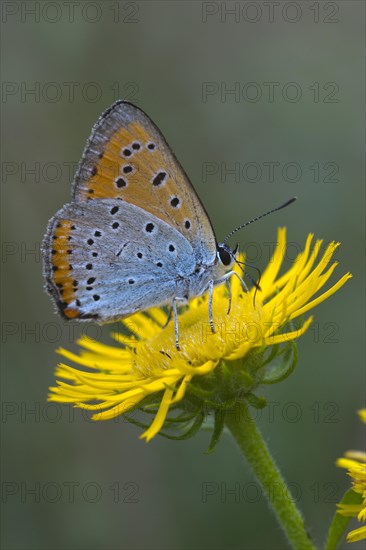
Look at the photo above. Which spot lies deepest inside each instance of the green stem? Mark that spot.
(251, 443)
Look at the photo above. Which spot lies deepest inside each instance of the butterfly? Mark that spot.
(135, 234)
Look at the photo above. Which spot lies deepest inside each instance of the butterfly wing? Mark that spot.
(106, 259)
(127, 157)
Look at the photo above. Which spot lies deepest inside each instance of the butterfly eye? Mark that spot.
(224, 255)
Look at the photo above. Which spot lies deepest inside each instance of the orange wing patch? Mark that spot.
(133, 167)
(60, 272)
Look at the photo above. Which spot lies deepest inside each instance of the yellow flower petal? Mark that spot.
(362, 415)
(357, 534)
(355, 462)
(160, 417)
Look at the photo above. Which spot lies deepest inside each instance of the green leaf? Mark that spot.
(190, 432)
(273, 352)
(339, 522)
(217, 431)
(135, 422)
(283, 365)
(182, 418)
(255, 401)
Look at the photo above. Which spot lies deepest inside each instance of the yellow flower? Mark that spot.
(210, 368)
(355, 463)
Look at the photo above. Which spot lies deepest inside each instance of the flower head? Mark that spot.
(355, 463)
(211, 369)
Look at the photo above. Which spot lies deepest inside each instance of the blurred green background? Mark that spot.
(297, 70)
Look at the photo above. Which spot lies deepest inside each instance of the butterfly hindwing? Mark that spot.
(106, 259)
(127, 157)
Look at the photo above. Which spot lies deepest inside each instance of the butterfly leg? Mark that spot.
(210, 298)
(175, 314)
(176, 324)
(244, 286)
(229, 294)
(226, 279)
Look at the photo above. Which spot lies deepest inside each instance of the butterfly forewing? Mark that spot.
(127, 157)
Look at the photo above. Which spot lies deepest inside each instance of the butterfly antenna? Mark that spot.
(259, 218)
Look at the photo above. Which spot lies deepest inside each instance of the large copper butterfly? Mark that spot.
(136, 234)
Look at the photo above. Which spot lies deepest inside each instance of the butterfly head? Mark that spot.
(226, 256)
